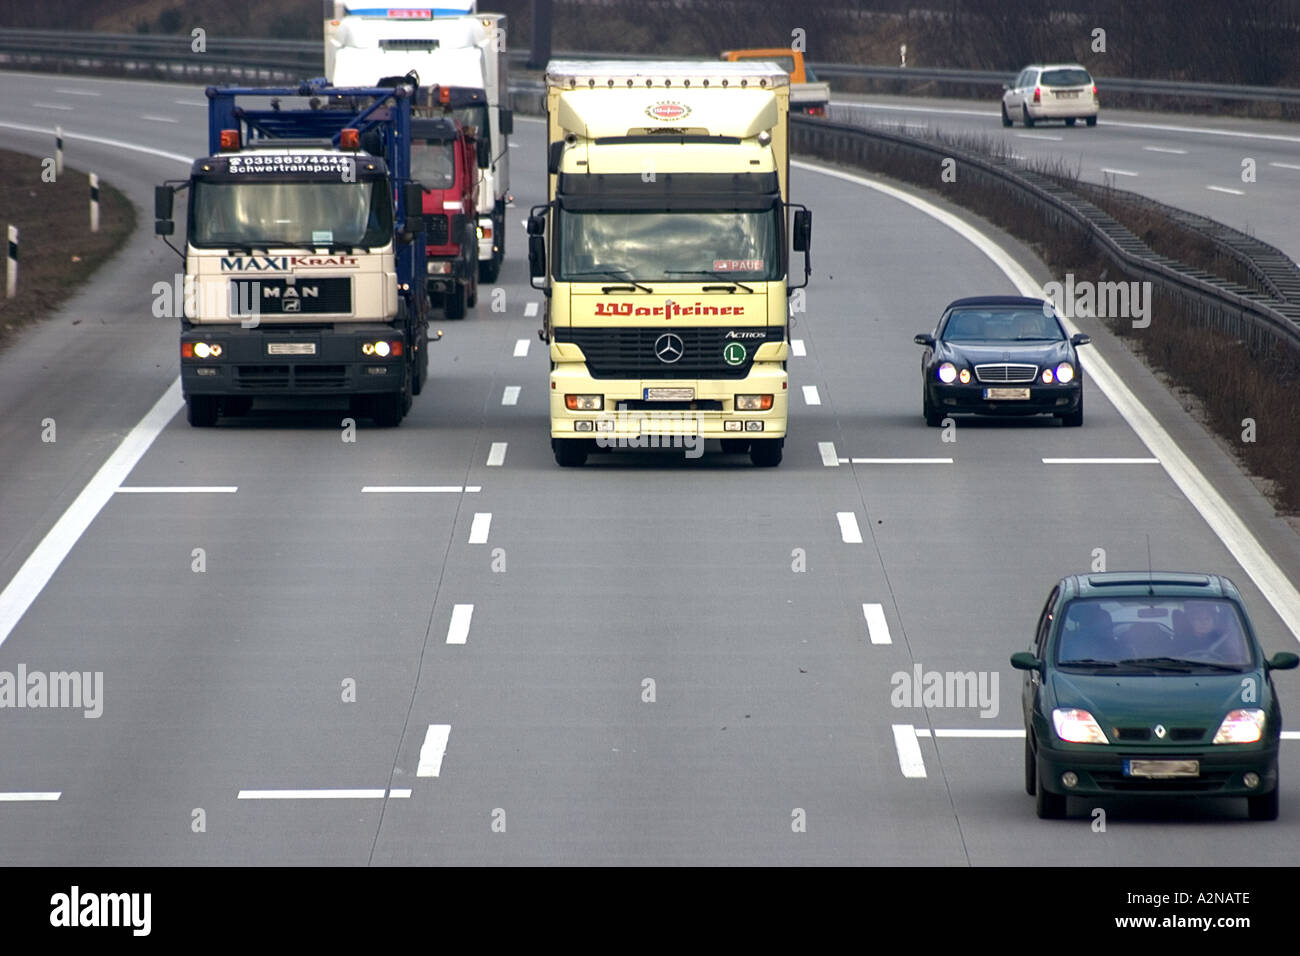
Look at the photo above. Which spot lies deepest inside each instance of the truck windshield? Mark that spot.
(669, 246)
(433, 164)
(476, 116)
(290, 214)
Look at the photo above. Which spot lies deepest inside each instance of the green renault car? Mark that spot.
(1149, 684)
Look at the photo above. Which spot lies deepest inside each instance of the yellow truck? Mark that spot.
(663, 251)
(807, 95)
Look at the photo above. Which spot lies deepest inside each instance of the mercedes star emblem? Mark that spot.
(668, 348)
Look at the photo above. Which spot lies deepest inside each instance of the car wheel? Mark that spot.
(454, 305)
(1069, 121)
(1006, 120)
(1050, 806)
(1031, 768)
(735, 446)
(570, 452)
(1091, 121)
(201, 410)
(1029, 120)
(933, 417)
(766, 452)
(1075, 418)
(1263, 807)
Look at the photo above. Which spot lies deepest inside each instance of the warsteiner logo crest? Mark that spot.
(668, 110)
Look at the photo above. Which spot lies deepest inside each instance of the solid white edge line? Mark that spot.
(76, 92)
(901, 461)
(479, 528)
(115, 143)
(511, 395)
(1118, 172)
(1291, 735)
(521, 348)
(797, 348)
(827, 451)
(1218, 514)
(1285, 165)
(877, 626)
(458, 629)
(1101, 461)
(910, 760)
(1054, 139)
(1225, 189)
(158, 119)
(36, 571)
(177, 489)
(420, 489)
(339, 794)
(433, 750)
(34, 796)
(972, 734)
(52, 106)
(849, 530)
(497, 454)
(1165, 149)
(810, 395)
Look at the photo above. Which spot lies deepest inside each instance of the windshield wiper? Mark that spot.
(608, 274)
(1088, 662)
(705, 272)
(1159, 663)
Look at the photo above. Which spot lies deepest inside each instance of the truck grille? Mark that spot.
(1004, 372)
(631, 353)
(436, 230)
(263, 377)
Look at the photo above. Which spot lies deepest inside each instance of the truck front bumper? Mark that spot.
(264, 361)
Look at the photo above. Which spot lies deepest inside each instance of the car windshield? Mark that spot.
(1177, 634)
(1001, 325)
(1066, 78)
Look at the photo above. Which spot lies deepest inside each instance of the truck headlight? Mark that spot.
(584, 403)
(753, 403)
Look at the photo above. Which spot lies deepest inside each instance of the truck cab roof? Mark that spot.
(672, 74)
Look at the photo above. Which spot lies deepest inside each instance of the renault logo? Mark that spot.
(668, 348)
(1160, 731)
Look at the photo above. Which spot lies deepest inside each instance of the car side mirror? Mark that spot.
(924, 338)
(802, 230)
(1080, 338)
(1282, 661)
(1005, 88)
(1025, 661)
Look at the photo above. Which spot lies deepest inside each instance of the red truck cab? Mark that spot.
(444, 161)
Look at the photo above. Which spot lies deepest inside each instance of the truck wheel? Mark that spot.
(766, 452)
(421, 372)
(236, 406)
(387, 409)
(570, 452)
(489, 270)
(471, 298)
(201, 410)
(454, 305)
(735, 446)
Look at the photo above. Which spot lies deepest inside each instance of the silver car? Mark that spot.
(1053, 91)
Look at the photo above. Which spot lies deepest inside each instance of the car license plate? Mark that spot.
(1160, 769)
(669, 394)
(1006, 394)
(1068, 94)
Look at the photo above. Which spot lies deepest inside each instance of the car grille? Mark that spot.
(1006, 372)
(1207, 782)
(1176, 734)
(436, 230)
(630, 353)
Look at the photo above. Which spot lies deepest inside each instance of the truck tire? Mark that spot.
(489, 270)
(570, 452)
(735, 446)
(236, 406)
(387, 409)
(471, 297)
(454, 303)
(766, 452)
(201, 410)
(420, 374)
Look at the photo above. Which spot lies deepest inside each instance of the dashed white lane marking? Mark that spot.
(458, 629)
(1285, 165)
(478, 530)
(177, 489)
(1054, 139)
(970, 734)
(339, 794)
(158, 119)
(530, 310)
(40, 566)
(1118, 172)
(849, 527)
(810, 395)
(521, 348)
(1101, 461)
(35, 796)
(827, 450)
(189, 103)
(431, 752)
(51, 106)
(1165, 149)
(497, 454)
(910, 760)
(896, 461)
(511, 395)
(76, 92)
(1291, 735)
(797, 348)
(421, 489)
(877, 626)
(1225, 189)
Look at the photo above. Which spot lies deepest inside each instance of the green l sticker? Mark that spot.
(734, 353)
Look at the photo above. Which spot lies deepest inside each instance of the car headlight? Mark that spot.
(1047, 376)
(947, 373)
(1245, 726)
(964, 376)
(1077, 726)
(1065, 373)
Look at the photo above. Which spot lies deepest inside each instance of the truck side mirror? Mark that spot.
(536, 256)
(553, 157)
(536, 225)
(506, 122)
(803, 230)
(163, 227)
(414, 195)
(162, 201)
(484, 153)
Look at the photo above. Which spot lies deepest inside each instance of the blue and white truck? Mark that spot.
(304, 253)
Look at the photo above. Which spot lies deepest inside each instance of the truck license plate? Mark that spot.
(1162, 769)
(669, 394)
(1006, 394)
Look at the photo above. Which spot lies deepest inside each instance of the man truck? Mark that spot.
(451, 47)
(304, 254)
(663, 250)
